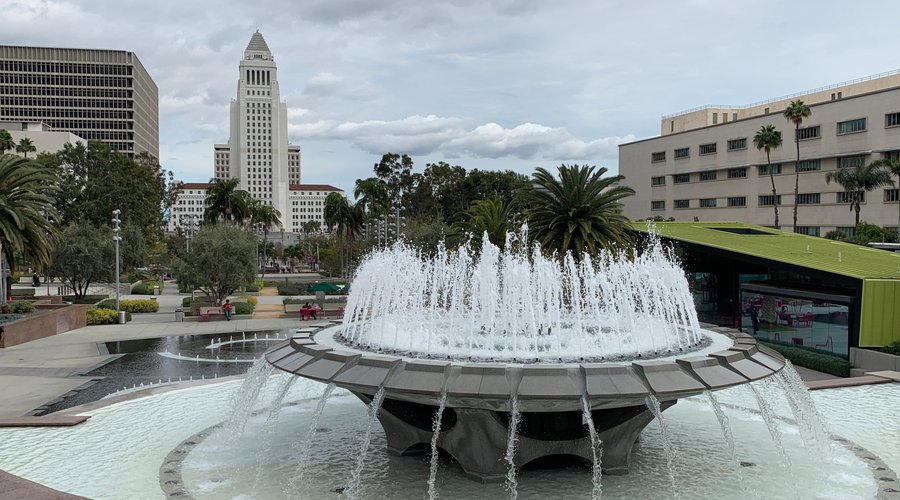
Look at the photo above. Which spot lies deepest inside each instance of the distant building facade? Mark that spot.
(42, 138)
(103, 95)
(705, 167)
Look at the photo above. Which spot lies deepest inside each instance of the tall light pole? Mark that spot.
(117, 238)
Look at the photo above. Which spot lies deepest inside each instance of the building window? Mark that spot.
(682, 178)
(891, 195)
(809, 165)
(810, 133)
(684, 203)
(682, 153)
(733, 117)
(658, 156)
(851, 161)
(769, 200)
(807, 230)
(775, 169)
(737, 201)
(809, 198)
(891, 120)
(847, 230)
(658, 205)
(737, 173)
(851, 126)
(891, 155)
(736, 144)
(847, 197)
(708, 176)
(708, 149)
(707, 202)
(715, 118)
(658, 181)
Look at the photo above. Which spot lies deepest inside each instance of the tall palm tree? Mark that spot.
(579, 212)
(265, 215)
(859, 180)
(224, 201)
(893, 166)
(796, 112)
(345, 221)
(372, 196)
(25, 146)
(6, 141)
(26, 208)
(769, 138)
(492, 217)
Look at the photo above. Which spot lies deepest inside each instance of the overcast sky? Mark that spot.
(489, 84)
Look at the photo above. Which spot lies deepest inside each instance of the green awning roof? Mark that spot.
(807, 251)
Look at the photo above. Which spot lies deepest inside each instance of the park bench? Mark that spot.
(207, 312)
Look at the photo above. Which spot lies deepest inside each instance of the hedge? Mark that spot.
(6, 318)
(814, 359)
(87, 299)
(251, 288)
(132, 306)
(243, 308)
(102, 316)
(141, 289)
(17, 307)
(289, 289)
(892, 348)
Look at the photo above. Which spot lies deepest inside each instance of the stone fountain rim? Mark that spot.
(541, 387)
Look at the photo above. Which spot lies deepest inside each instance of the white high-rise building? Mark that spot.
(258, 153)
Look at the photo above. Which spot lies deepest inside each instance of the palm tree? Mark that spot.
(6, 141)
(579, 212)
(347, 219)
(224, 201)
(25, 146)
(796, 112)
(372, 196)
(492, 217)
(768, 138)
(893, 166)
(858, 180)
(26, 209)
(265, 215)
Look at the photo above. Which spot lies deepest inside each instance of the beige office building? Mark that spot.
(705, 167)
(103, 95)
(42, 138)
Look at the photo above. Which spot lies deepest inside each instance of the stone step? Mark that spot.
(45, 421)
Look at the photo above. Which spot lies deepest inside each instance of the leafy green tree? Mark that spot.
(768, 138)
(892, 165)
(95, 180)
(25, 146)
(170, 187)
(264, 215)
(579, 212)
(865, 233)
(294, 254)
(132, 248)
(492, 217)
(372, 197)
(225, 202)
(858, 180)
(84, 254)
(26, 209)
(6, 141)
(310, 226)
(221, 260)
(795, 113)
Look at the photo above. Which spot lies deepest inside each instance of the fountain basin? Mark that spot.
(548, 396)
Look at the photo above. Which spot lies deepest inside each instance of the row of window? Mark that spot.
(61, 67)
(65, 91)
(890, 195)
(813, 132)
(775, 169)
(81, 81)
(14, 113)
(46, 102)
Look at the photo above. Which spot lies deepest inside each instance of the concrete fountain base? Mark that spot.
(474, 427)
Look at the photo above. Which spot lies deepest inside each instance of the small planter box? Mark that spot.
(292, 308)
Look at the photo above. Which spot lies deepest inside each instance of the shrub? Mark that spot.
(141, 289)
(250, 299)
(139, 306)
(260, 284)
(107, 304)
(21, 307)
(289, 289)
(102, 317)
(892, 348)
(814, 359)
(87, 299)
(251, 288)
(6, 318)
(243, 308)
(294, 301)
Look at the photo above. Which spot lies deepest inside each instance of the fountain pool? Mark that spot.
(119, 452)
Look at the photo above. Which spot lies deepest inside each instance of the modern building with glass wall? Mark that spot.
(103, 95)
(788, 287)
(704, 165)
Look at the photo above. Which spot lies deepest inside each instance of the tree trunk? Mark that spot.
(265, 242)
(857, 209)
(796, 172)
(774, 193)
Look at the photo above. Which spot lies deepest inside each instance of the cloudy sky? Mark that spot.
(485, 84)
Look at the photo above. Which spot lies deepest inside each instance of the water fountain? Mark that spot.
(502, 358)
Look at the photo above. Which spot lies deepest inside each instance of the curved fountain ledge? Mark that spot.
(549, 396)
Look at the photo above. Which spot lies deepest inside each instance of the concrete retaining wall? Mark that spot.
(866, 360)
(49, 319)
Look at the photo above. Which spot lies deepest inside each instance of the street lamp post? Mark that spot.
(117, 238)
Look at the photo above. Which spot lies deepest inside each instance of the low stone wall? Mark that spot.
(48, 320)
(867, 360)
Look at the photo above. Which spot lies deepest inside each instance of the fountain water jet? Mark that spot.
(472, 332)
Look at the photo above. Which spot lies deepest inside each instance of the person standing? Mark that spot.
(754, 318)
(35, 280)
(228, 308)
